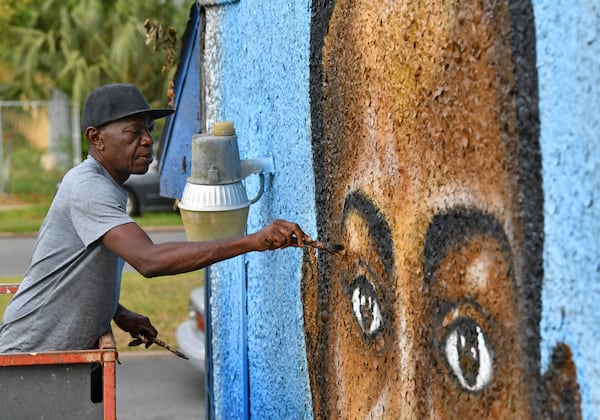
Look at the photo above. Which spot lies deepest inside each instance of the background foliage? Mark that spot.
(77, 45)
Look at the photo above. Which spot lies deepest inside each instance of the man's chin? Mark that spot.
(140, 171)
(142, 166)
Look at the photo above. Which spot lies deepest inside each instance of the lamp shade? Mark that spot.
(212, 212)
(199, 197)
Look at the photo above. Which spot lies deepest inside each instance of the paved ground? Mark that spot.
(15, 250)
(159, 386)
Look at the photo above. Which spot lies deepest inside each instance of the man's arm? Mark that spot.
(131, 243)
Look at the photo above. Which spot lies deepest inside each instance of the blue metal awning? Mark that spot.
(175, 146)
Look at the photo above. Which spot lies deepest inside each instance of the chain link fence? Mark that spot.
(39, 141)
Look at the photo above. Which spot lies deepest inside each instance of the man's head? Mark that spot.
(118, 124)
(114, 102)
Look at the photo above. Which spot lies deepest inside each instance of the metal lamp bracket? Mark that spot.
(257, 167)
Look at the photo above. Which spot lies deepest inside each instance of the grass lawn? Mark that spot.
(28, 218)
(165, 300)
(22, 219)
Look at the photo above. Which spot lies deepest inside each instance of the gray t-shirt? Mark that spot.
(70, 292)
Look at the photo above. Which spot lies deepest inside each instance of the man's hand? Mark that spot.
(279, 234)
(134, 324)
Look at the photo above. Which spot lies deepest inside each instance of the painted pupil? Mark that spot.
(468, 352)
(365, 306)
(469, 355)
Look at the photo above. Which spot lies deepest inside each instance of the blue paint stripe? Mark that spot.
(181, 72)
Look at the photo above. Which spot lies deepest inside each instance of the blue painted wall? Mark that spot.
(259, 51)
(262, 66)
(568, 56)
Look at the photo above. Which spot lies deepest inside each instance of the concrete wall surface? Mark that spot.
(383, 119)
(568, 51)
(255, 59)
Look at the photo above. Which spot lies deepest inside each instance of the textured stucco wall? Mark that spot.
(568, 51)
(256, 61)
(256, 56)
(429, 125)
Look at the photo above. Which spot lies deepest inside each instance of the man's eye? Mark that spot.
(138, 131)
(366, 307)
(468, 355)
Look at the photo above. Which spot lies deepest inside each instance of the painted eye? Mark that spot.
(468, 354)
(365, 306)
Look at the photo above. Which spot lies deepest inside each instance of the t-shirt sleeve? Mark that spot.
(97, 207)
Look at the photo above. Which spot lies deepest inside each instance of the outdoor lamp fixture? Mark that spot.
(214, 204)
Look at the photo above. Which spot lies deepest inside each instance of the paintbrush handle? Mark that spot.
(162, 344)
(315, 244)
(166, 346)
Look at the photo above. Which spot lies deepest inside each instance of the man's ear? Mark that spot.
(562, 396)
(95, 138)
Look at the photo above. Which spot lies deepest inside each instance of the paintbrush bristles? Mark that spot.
(337, 249)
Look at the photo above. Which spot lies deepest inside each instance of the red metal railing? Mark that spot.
(106, 356)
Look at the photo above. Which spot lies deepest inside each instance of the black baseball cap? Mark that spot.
(115, 101)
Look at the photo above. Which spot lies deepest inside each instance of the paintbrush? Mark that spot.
(336, 249)
(141, 338)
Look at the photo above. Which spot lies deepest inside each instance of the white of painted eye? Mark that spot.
(485, 372)
(360, 301)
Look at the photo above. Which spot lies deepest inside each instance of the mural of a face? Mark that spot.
(427, 169)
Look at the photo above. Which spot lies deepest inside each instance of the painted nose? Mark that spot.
(402, 399)
(410, 387)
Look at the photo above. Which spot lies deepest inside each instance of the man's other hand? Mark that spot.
(135, 324)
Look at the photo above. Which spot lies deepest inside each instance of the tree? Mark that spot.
(77, 45)
(13, 11)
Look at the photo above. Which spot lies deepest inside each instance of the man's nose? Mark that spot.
(147, 138)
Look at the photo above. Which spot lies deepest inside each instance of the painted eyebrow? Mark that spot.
(379, 229)
(454, 228)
